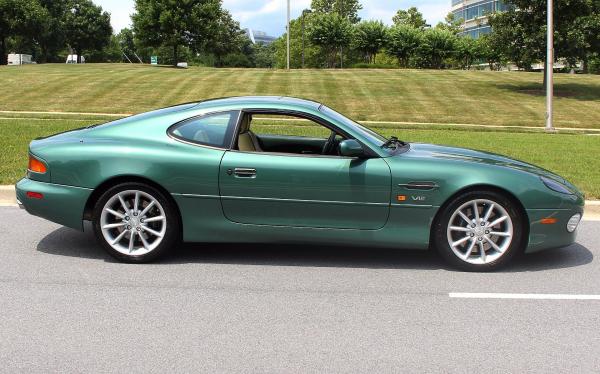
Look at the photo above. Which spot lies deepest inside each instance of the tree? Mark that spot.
(346, 8)
(369, 38)
(451, 23)
(331, 32)
(411, 17)
(490, 52)
(173, 24)
(86, 27)
(520, 32)
(263, 55)
(19, 18)
(51, 39)
(404, 42)
(313, 55)
(126, 42)
(591, 28)
(437, 45)
(227, 38)
(468, 50)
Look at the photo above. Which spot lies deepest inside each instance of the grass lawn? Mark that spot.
(573, 156)
(487, 98)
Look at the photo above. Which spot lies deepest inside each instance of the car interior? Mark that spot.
(256, 136)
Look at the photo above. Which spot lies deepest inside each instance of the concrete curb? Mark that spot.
(7, 197)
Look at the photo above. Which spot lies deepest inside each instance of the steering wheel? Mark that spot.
(329, 144)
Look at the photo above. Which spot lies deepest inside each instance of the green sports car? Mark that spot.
(286, 170)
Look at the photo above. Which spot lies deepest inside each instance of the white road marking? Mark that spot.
(526, 296)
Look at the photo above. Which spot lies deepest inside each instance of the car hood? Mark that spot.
(479, 157)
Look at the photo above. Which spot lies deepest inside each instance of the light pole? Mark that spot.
(550, 67)
(288, 34)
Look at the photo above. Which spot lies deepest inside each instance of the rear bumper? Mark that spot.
(549, 236)
(60, 204)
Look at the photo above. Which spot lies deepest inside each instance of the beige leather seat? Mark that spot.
(247, 141)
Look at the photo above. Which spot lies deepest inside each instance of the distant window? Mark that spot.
(213, 130)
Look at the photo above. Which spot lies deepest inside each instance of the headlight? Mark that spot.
(556, 186)
(573, 222)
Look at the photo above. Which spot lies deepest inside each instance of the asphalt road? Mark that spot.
(66, 307)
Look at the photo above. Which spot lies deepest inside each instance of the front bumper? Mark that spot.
(61, 204)
(549, 236)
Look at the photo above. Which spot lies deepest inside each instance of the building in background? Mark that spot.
(474, 13)
(259, 37)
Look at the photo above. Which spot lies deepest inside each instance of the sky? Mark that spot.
(269, 15)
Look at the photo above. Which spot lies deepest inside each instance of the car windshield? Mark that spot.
(374, 137)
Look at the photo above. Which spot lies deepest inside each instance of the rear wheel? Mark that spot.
(135, 222)
(479, 231)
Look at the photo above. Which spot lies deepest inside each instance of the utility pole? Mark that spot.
(288, 34)
(550, 68)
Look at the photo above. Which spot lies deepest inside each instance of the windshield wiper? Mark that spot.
(393, 141)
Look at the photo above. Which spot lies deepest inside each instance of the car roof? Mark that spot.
(257, 101)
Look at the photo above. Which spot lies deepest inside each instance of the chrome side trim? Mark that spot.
(197, 196)
(282, 200)
(414, 206)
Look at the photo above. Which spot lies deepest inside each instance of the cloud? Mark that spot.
(384, 10)
(245, 11)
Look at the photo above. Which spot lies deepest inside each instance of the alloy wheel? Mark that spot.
(133, 222)
(480, 231)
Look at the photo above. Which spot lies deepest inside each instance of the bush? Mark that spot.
(594, 65)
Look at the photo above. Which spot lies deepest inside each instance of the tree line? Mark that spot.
(333, 37)
(45, 27)
(330, 34)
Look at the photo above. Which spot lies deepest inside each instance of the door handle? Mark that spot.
(244, 173)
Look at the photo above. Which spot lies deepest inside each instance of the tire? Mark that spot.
(154, 225)
(500, 233)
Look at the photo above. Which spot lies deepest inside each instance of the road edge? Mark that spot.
(8, 198)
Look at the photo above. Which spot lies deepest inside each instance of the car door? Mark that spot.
(305, 190)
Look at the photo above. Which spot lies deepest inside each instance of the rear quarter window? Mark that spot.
(215, 130)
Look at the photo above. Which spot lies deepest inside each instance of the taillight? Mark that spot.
(36, 165)
(34, 195)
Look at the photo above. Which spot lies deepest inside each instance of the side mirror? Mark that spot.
(351, 148)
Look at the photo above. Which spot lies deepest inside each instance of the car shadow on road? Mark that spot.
(72, 243)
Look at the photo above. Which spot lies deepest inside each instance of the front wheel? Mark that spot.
(479, 231)
(135, 222)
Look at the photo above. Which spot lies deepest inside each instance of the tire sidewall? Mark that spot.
(172, 221)
(441, 226)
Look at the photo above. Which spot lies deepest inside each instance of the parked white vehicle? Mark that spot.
(72, 59)
(19, 59)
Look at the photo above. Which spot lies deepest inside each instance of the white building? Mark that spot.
(259, 37)
(474, 15)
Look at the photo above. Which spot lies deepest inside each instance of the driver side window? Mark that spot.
(280, 133)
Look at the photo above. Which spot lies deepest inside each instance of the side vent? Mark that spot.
(420, 186)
